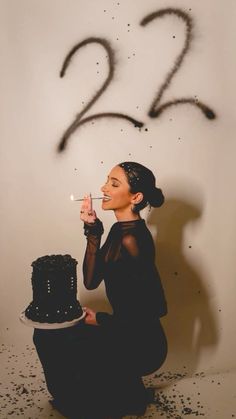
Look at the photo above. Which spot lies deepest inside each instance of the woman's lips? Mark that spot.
(106, 198)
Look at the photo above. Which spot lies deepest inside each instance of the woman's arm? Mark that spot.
(93, 262)
(145, 300)
(131, 275)
(93, 230)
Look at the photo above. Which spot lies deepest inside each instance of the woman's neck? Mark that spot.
(126, 216)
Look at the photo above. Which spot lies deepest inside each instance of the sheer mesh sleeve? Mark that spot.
(133, 299)
(127, 264)
(131, 246)
(138, 256)
(128, 254)
(145, 292)
(93, 263)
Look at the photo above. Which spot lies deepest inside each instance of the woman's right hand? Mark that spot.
(87, 214)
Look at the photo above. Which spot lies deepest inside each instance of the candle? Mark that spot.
(81, 199)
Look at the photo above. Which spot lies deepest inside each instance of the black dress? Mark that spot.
(97, 370)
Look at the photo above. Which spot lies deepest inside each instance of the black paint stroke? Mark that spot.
(155, 110)
(78, 121)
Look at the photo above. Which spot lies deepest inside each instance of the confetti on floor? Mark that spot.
(175, 395)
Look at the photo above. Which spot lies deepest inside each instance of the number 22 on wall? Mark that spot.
(156, 108)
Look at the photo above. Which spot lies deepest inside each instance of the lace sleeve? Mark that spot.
(93, 263)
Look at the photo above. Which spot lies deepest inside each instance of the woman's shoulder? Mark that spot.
(129, 225)
(138, 235)
(129, 231)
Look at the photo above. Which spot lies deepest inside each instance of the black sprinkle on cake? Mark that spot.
(54, 284)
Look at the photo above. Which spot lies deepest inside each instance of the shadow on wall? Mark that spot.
(191, 323)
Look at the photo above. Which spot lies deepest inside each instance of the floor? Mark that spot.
(23, 393)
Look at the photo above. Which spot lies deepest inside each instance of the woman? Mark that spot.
(122, 347)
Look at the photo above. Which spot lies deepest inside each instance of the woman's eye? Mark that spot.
(115, 185)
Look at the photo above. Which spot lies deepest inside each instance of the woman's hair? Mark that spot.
(141, 179)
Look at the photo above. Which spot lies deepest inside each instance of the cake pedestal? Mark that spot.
(37, 325)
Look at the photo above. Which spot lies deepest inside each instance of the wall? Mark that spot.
(190, 146)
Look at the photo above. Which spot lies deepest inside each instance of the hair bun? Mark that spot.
(141, 179)
(156, 197)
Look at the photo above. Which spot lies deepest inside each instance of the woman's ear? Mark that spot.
(137, 198)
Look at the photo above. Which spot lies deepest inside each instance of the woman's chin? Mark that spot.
(106, 206)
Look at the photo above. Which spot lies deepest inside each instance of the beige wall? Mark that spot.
(193, 157)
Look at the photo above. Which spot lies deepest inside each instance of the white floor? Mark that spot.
(23, 393)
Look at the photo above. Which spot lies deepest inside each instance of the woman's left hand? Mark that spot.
(90, 317)
(87, 213)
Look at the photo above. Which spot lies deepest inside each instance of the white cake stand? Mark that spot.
(37, 325)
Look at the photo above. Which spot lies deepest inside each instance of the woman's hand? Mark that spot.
(90, 317)
(87, 214)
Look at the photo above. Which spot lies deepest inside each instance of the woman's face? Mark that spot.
(116, 191)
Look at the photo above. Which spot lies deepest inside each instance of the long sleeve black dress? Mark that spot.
(108, 361)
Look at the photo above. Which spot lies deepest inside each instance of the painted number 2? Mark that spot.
(156, 108)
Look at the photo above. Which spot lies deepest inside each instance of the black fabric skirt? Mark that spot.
(93, 372)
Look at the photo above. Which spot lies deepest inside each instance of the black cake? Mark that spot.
(54, 284)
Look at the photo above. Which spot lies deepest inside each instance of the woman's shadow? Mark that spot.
(191, 322)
